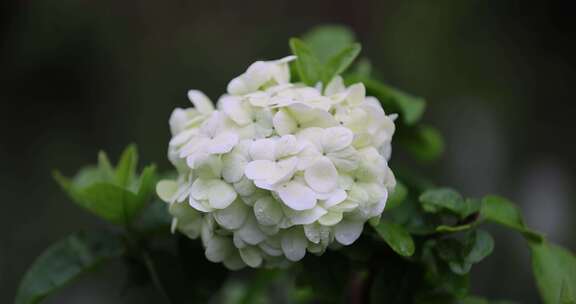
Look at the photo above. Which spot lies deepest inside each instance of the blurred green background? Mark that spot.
(79, 76)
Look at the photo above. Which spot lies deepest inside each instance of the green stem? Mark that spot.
(149, 263)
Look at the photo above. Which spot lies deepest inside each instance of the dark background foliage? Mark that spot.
(78, 76)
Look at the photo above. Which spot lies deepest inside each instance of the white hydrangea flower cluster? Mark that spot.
(278, 168)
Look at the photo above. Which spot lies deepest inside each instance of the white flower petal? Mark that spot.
(182, 137)
(284, 123)
(337, 138)
(201, 102)
(235, 109)
(221, 194)
(322, 175)
(294, 244)
(260, 170)
(284, 169)
(297, 196)
(347, 231)
(286, 145)
(262, 149)
(223, 143)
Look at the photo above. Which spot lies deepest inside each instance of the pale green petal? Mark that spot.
(356, 94)
(200, 189)
(251, 256)
(331, 218)
(347, 231)
(244, 187)
(233, 216)
(218, 248)
(221, 194)
(268, 211)
(294, 244)
(250, 233)
(305, 217)
(166, 189)
(233, 167)
(336, 85)
(234, 262)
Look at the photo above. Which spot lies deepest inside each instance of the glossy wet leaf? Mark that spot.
(396, 237)
(65, 261)
(445, 199)
(555, 271)
(502, 211)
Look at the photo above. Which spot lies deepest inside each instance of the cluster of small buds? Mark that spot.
(278, 168)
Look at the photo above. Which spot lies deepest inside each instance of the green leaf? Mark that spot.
(107, 201)
(363, 68)
(397, 196)
(555, 271)
(396, 237)
(410, 108)
(105, 166)
(340, 62)
(154, 218)
(440, 199)
(502, 211)
(482, 247)
(64, 261)
(110, 202)
(126, 169)
(116, 196)
(425, 143)
(308, 66)
(328, 40)
(147, 184)
(462, 254)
